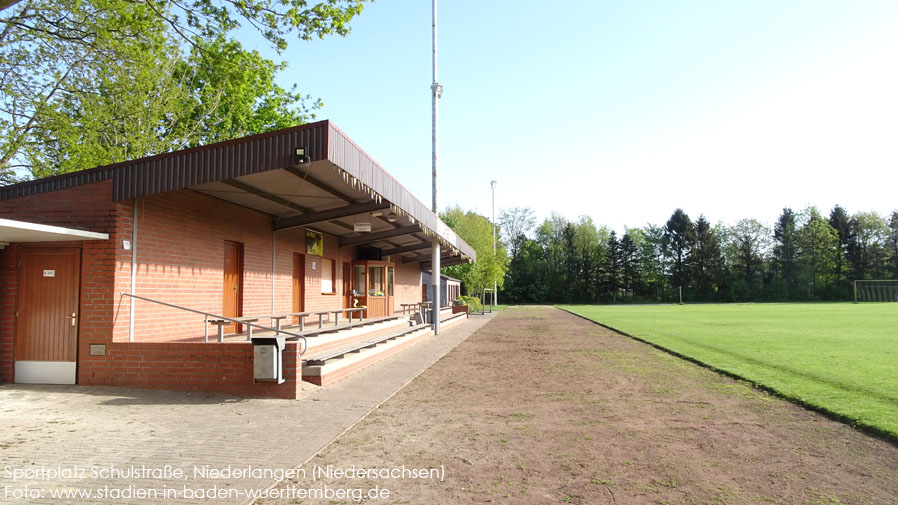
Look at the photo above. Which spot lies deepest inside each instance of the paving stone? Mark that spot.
(105, 428)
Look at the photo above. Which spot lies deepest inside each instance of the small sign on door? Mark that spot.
(49, 273)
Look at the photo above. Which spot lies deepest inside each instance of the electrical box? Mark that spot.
(268, 362)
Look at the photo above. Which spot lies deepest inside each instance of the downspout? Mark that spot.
(274, 243)
(133, 271)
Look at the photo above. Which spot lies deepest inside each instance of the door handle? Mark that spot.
(73, 317)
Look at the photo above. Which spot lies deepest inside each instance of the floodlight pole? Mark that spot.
(495, 284)
(436, 92)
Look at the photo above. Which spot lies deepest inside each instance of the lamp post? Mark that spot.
(495, 283)
(436, 91)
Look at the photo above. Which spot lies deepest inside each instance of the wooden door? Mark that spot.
(46, 349)
(347, 285)
(299, 279)
(232, 293)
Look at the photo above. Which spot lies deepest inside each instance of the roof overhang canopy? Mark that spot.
(20, 231)
(335, 188)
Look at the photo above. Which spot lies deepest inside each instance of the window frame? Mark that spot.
(333, 283)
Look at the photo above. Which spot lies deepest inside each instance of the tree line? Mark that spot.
(806, 255)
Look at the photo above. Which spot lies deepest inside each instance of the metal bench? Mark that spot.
(221, 323)
(409, 307)
(321, 313)
(278, 319)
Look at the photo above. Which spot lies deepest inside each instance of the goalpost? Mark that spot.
(876, 291)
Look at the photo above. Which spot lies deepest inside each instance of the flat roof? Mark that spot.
(338, 189)
(21, 231)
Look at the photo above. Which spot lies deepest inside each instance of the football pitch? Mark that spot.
(839, 357)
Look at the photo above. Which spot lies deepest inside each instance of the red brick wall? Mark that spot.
(89, 207)
(180, 255)
(210, 368)
(407, 284)
(180, 250)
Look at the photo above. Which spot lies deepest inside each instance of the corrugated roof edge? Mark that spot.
(96, 174)
(378, 179)
(398, 195)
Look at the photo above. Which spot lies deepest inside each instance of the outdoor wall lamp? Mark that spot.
(301, 156)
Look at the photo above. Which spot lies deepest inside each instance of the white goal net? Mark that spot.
(876, 291)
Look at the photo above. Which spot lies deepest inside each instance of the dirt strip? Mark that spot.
(540, 406)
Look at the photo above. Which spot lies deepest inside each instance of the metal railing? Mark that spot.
(277, 331)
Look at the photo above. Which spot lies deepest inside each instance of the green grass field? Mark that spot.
(839, 357)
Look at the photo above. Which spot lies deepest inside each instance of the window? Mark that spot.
(327, 275)
(377, 283)
(358, 286)
(389, 281)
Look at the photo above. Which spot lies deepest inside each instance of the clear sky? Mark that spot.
(624, 110)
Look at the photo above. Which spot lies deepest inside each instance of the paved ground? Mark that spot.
(86, 433)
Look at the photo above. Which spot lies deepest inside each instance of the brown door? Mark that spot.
(347, 285)
(233, 283)
(299, 280)
(47, 306)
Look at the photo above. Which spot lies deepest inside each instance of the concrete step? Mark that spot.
(328, 366)
(334, 339)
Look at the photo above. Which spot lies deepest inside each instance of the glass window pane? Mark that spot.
(327, 275)
(390, 281)
(376, 286)
(358, 279)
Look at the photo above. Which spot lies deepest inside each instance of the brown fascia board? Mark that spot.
(127, 185)
(244, 156)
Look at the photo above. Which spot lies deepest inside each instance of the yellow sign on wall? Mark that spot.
(314, 243)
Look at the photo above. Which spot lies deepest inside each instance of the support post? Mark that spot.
(435, 282)
(495, 282)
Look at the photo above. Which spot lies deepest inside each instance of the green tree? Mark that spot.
(819, 248)
(785, 253)
(841, 222)
(63, 59)
(748, 249)
(869, 237)
(613, 267)
(516, 224)
(590, 256)
(477, 231)
(555, 267)
(892, 246)
(164, 103)
(706, 261)
(679, 238)
(653, 262)
(629, 264)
